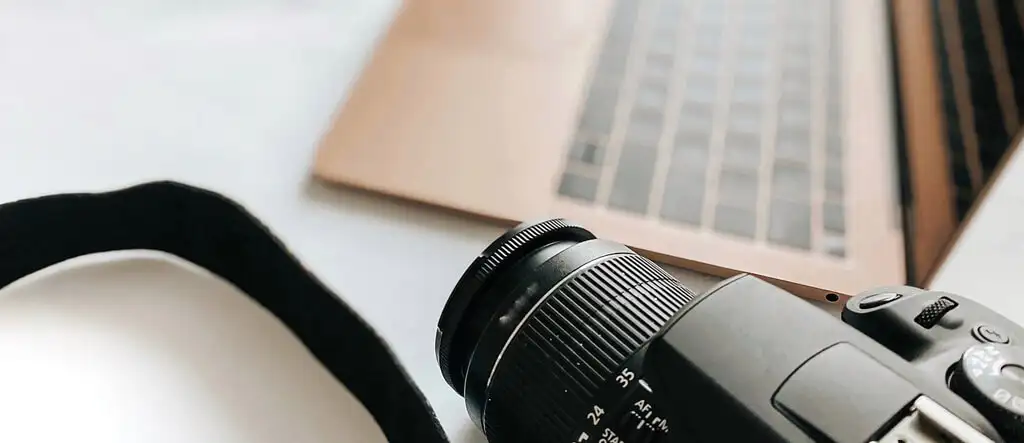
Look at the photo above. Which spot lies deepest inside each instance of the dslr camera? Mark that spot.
(553, 335)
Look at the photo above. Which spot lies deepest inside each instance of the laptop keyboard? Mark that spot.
(718, 115)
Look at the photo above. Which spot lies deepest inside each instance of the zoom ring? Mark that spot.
(573, 343)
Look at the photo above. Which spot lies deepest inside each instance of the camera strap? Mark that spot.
(219, 235)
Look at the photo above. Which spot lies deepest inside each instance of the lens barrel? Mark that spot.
(543, 322)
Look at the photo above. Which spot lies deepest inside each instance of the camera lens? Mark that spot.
(542, 334)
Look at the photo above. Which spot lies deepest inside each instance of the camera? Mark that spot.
(554, 335)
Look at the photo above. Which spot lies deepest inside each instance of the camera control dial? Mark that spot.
(991, 377)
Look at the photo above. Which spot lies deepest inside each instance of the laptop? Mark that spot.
(733, 136)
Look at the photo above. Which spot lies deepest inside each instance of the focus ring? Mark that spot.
(572, 345)
(465, 301)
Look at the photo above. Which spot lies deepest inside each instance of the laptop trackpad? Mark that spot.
(141, 346)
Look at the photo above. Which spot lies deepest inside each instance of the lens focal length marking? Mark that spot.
(633, 417)
(567, 355)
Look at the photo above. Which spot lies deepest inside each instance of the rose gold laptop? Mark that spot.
(720, 136)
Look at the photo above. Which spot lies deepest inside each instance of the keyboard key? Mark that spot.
(701, 89)
(735, 221)
(671, 10)
(834, 142)
(737, 189)
(651, 94)
(633, 178)
(712, 10)
(617, 45)
(610, 70)
(659, 65)
(793, 147)
(797, 58)
(618, 41)
(707, 41)
(834, 217)
(797, 23)
(789, 224)
(706, 46)
(685, 178)
(753, 46)
(696, 116)
(796, 97)
(752, 65)
(834, 179)
(689, 157)
(665, 30)
(793, 129)
(743, 138)
(578, 187)
(742, 152)
(835, 81)
(831, 195)
(693, 139)
(626, 7)
(834, 110)
(796, 84)
(587, 152)
(761, 7)
(835, 244)
(833, 157)
(756, 23)
(644, 127)
(795, 117)
(693, 131)
(746, 88)
(683, 200)
(623, 20)
(756, 28)
(707, 66)
(662, 49)
(599, 110)
(745, 117)
(791, 182)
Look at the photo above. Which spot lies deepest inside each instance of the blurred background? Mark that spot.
(237, 96)
(824, 144)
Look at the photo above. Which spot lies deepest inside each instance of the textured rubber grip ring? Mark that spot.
(465, 301)
(570, 346)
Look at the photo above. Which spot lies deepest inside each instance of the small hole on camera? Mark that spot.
(832, 297)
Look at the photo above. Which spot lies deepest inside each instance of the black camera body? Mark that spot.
(553, 335)
(770, 367)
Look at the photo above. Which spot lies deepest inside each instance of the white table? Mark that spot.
(233, 96)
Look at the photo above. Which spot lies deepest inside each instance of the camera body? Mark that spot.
(748, 361)
(554, 335)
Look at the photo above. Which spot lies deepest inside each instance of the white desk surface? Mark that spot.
(233, 96)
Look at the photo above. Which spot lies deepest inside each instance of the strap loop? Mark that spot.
(218, 234)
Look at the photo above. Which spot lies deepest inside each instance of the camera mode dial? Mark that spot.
(991, 378)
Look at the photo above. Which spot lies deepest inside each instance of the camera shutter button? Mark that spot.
(876, 300)
(989, 334)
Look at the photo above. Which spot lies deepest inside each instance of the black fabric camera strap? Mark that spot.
(219, 235)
